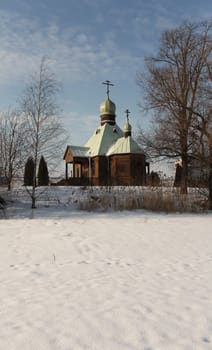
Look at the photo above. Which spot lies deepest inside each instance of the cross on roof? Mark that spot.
(108, 83)
(127, 113)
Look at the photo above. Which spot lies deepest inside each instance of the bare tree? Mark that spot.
(45, 132)
(172, 87)
(12, 145)
(202, 151)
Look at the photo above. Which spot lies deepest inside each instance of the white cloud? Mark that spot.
(83, 125)
(73, 53)
(76, 54)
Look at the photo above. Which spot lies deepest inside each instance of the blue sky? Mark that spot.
(87, 42)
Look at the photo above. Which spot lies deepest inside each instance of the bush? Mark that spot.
(157, 199)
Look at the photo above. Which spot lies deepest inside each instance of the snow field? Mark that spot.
(131, 281)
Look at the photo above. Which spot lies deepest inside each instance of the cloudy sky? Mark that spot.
(86, 42)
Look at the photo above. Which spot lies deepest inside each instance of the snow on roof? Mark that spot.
(79, 151)
(124, 145)
(102, 139)
(106, 140)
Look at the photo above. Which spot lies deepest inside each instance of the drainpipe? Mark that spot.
(108, 171)
(66, 171)
(89, 167)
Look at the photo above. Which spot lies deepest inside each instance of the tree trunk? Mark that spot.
(33, 196)
(33, 203)
(9, 178)
(184, 177)
(210, 188)
(9, 185)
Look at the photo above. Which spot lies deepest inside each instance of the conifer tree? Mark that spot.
(2, 203)
(43, 174)
(29, 171)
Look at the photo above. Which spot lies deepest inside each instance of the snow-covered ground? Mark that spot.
(71, 280)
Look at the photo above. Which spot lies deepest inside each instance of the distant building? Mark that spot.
(197, 173)
(110, 157)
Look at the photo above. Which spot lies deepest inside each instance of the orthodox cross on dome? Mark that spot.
(108, 83)
(127, 114)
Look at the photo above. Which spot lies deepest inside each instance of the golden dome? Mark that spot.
(127, 126)
(107, 107)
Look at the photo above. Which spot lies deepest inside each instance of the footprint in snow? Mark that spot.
(205, 340)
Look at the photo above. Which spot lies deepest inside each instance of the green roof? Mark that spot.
(102, 139)
(77, 151)
(124, 145)
(105, 141)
